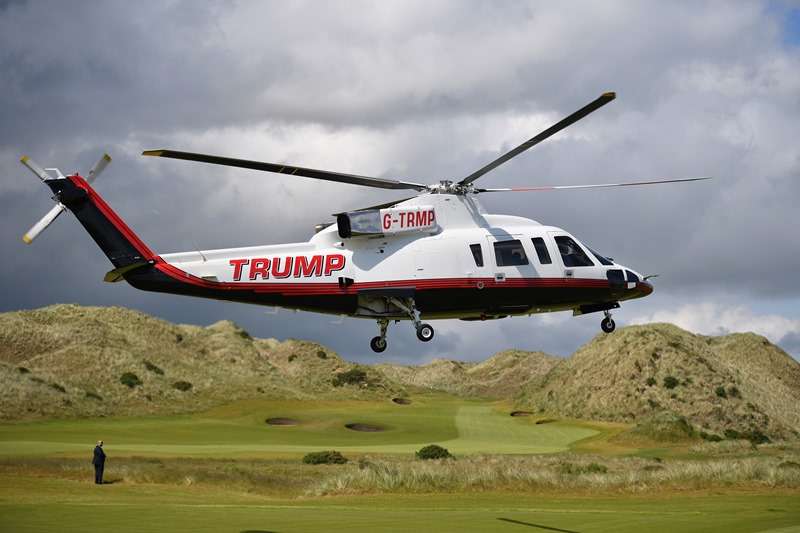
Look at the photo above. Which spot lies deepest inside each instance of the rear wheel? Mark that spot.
(425, 332)
(378, 344)
(608, 325)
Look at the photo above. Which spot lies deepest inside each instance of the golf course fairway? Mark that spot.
(239, 429)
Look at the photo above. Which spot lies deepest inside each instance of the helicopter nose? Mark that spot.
(644, 288)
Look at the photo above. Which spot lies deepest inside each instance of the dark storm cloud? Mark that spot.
(425, 90)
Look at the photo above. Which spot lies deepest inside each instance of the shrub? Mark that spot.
(182, 386)
(650, 381)
(711, 437)
(354, 376)
(59, 388)
(720, 391)
(321, 354)
(153, 368)
(732, 434)
(433, 451)
(789, 465)
(178, 338)
(733, 392)
(130, 380)
(573, 469)
(291, 357)
(23, 370)
(38, 380)
(671, 382)
(93, 396)
(756, 437)
(327, 457)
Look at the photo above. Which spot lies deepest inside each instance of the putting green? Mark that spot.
(463, 426)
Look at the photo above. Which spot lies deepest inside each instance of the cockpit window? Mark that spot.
(571, 253)
(510, 253)
(632, 278)
(477, 254)
(541, 251)
(603, 260)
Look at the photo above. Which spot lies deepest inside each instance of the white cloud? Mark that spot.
(716, 319)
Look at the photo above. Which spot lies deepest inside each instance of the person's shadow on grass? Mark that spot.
(540, 526)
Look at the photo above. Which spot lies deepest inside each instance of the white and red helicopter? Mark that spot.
(436, 255)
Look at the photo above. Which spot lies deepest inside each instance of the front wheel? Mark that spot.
(378, 344)
(425, 332)
(607, 325)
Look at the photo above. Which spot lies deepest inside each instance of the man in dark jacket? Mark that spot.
(99, 461)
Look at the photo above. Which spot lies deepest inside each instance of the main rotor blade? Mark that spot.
(596, 186)
(533, 141)
(326, 175)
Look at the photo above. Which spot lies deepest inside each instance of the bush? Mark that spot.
(153, 368)
(720, 391)
(93, 395)
(354, 376)
(23, 370)
(327, 457)
(321, 354)
(130, 380)
(733, 392)
(182, 386)
(59, 388)
(291, 357)
(573, 469)
(650, 381)
(711, 437)
(789, 465)
(756, 437)
(433, 451)
(732, 434)
(671, 382)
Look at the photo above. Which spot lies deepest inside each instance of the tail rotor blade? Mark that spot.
(35, 168)
(43, 223)
(98, 168)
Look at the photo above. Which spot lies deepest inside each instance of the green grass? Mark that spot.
(238, 429)
(41, 504)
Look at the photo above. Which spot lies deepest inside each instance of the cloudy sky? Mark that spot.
(425, 91)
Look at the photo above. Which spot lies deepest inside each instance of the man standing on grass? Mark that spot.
(99, 461)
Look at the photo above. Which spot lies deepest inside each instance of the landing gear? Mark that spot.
(424, 332)
(608, 325)
(378, 344)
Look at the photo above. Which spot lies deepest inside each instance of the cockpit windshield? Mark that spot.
(603, 260)
(572, 254)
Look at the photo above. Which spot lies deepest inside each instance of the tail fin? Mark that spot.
(122, 246)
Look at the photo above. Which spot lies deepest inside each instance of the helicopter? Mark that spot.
(436, 255)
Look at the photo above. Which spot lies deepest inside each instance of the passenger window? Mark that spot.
(632, 278)
(510, 253)
(477, 254)
(541, 251)
(571, 253)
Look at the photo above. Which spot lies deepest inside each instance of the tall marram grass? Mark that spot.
(555, 472)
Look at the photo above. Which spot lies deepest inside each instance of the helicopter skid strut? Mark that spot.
(424, 331)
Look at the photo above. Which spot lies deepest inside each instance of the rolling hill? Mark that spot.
(738, 382)
(68, 360)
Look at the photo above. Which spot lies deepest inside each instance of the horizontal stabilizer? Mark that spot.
(118, 274)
